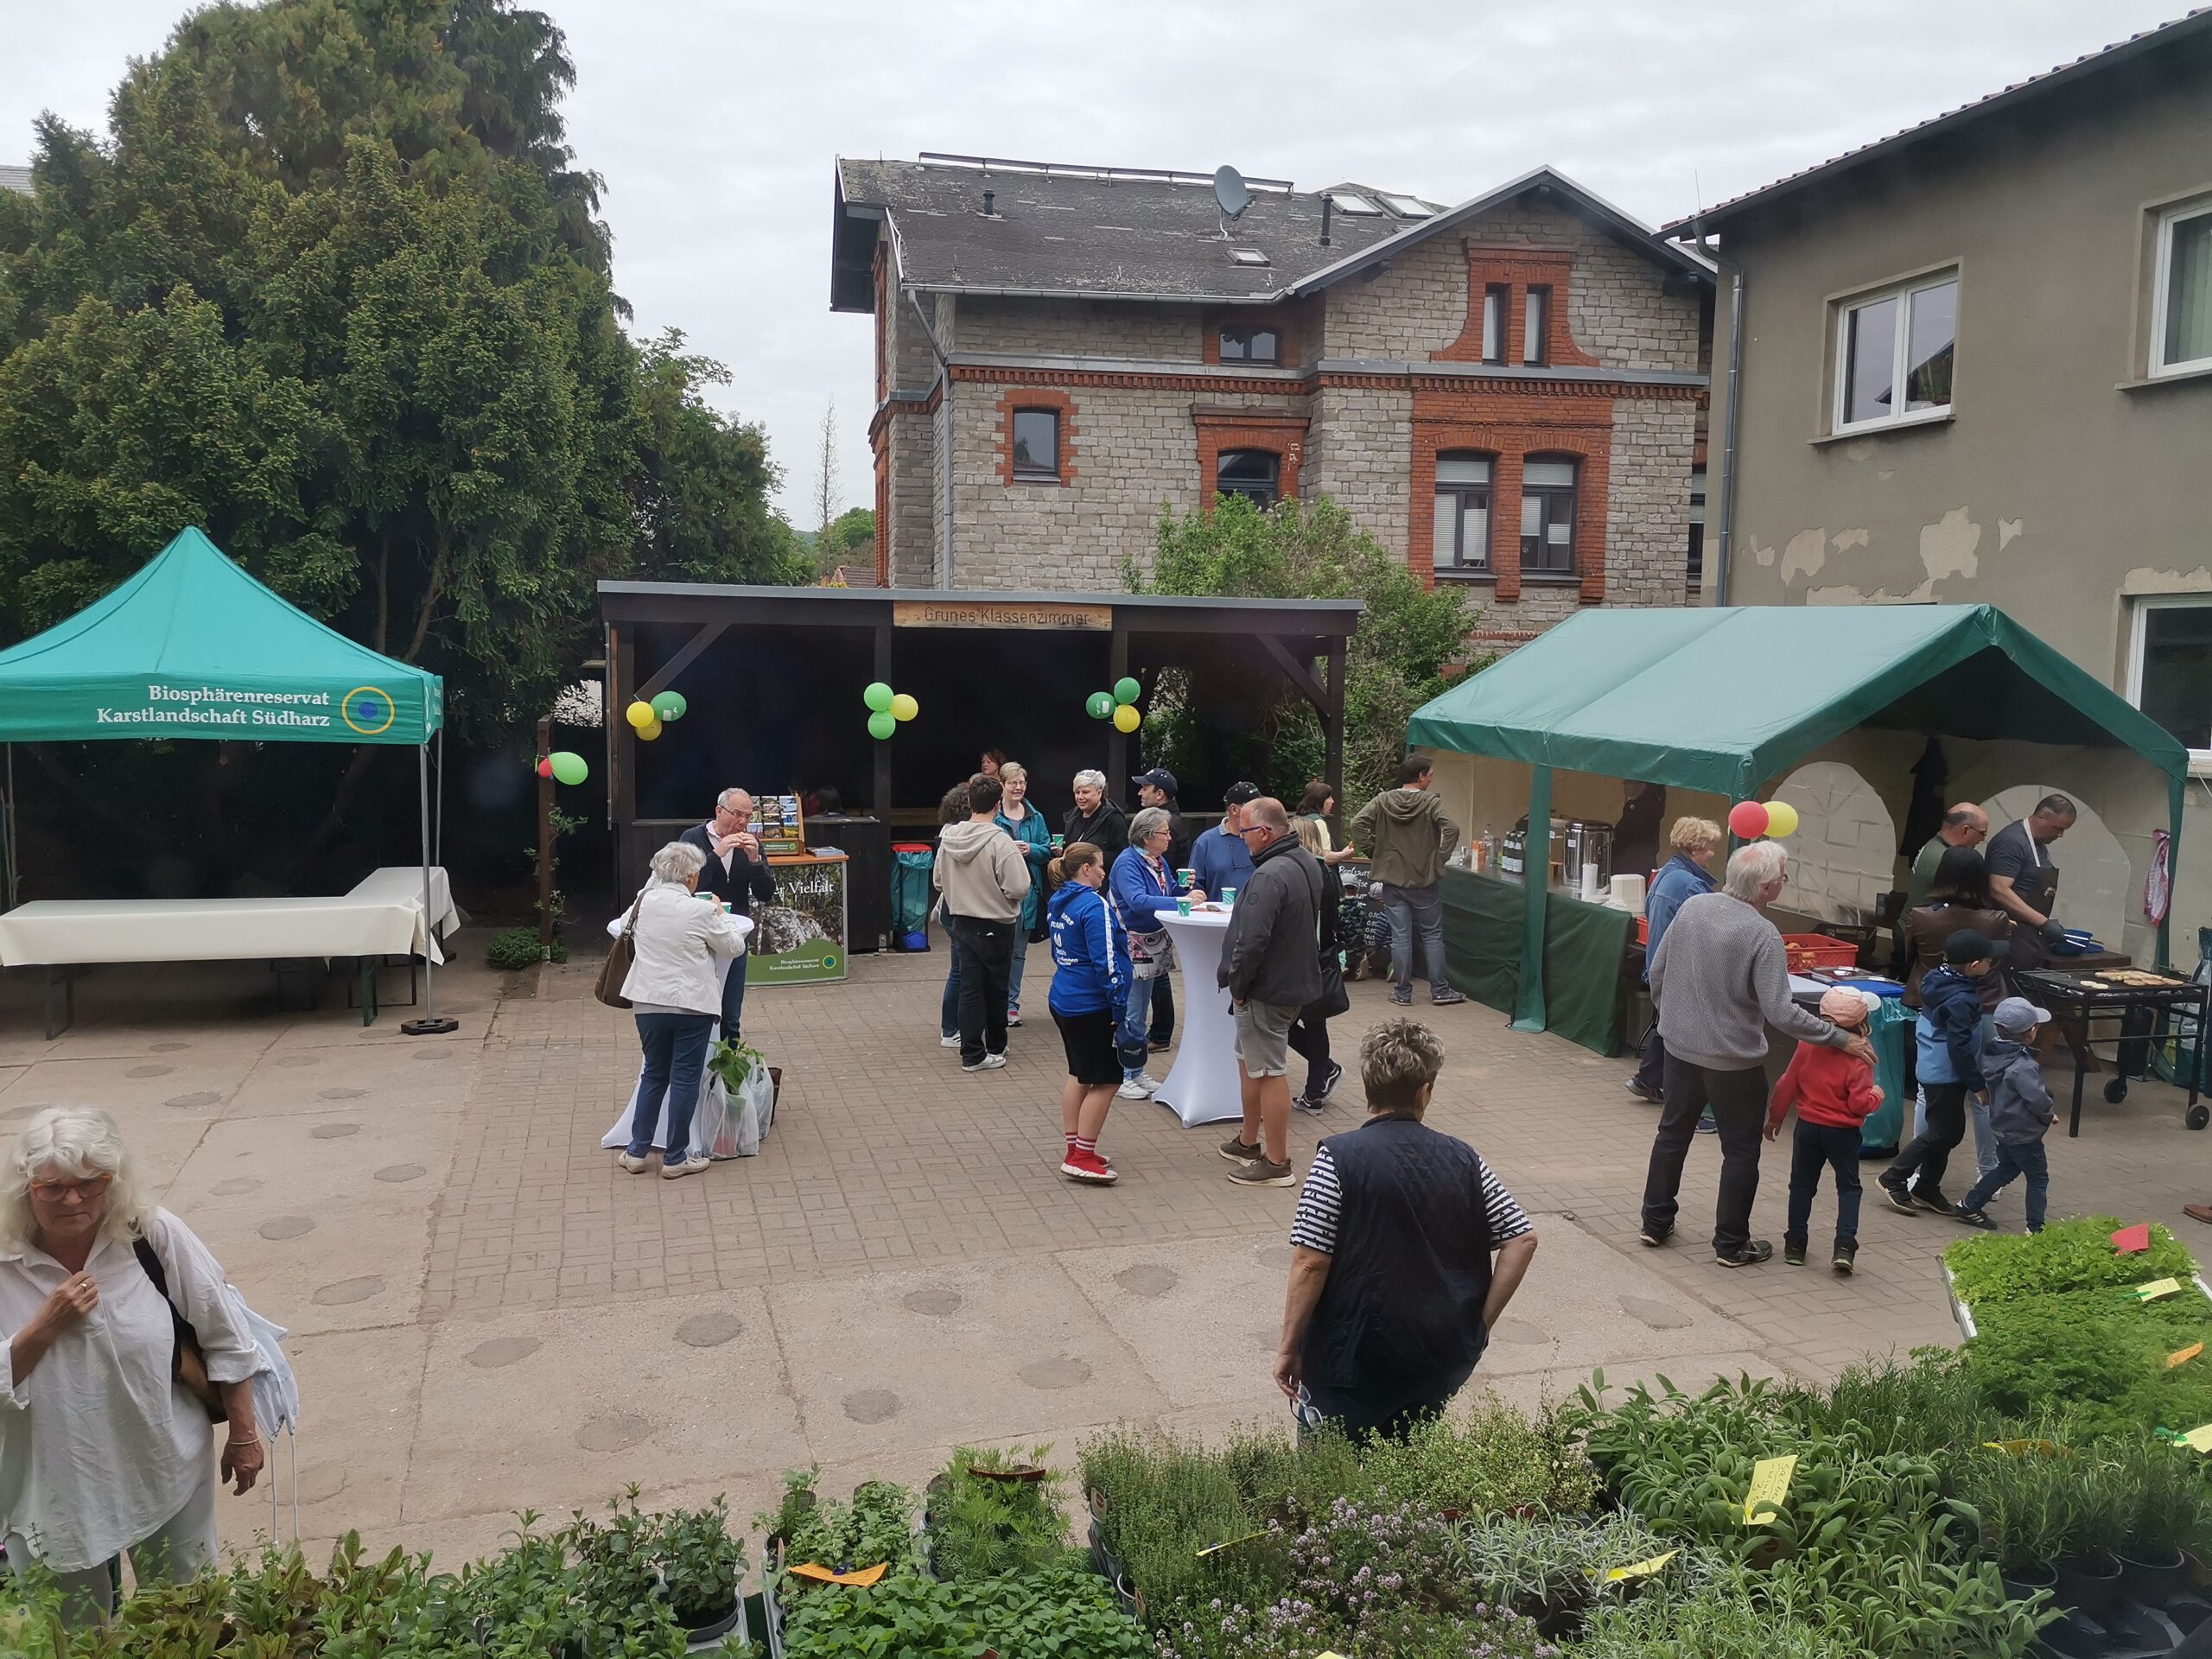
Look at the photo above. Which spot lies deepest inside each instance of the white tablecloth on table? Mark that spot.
(1202, 1086)
(382, 917)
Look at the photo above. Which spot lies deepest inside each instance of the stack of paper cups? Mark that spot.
(1627, 894)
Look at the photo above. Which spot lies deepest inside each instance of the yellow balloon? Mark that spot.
(648, 733)
(1780, 819)
(904, 706)
(1126, 718)
(640, 714)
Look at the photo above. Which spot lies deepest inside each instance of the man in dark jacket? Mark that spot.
(737, 875)
(1393, 1291)
(1271, 968)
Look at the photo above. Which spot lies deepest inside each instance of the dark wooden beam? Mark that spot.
(1117, 742)
(1332, 735)
(709, 632)
(882, 803)
(1299, 673)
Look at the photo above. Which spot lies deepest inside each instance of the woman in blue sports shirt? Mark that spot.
(1090, 983)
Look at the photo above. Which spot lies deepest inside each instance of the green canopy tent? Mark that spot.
(194, 647)
(1723, 699)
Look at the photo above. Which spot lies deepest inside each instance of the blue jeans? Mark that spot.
(1013, 968)
(1818, 1147)
(1163, 1008)
(675, 1056)
(2015, 1158)
(1411, 911)
(1132, 1015)
(733, 1000)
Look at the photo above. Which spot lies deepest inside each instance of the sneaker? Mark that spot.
(1793, 1254)
(1236, 1152)
(1013, 1017)
(1081, 1165)
(1652, 1237)
(1151, 1082)
(988, 1062)
(1706, 1125)
(1306, 1105)
(632, 1166)
(1328, 1085)
(1136, 1089)
(678, 1168)
(1643, 1091)
(1446, 998)
(1928, 1198)
(1847, 1254)
(1403, 997)
(948, 1042)
(1976, 1218)
(1896, 1197)
(1157, 1046)
(1261, 1173)
(1755, 1251)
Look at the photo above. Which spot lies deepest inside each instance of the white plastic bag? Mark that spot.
(754, 1109)
(714, 1124)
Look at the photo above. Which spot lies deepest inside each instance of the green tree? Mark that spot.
(1408, 635)
(848, 540)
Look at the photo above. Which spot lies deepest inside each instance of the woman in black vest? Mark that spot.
(1393, 1290)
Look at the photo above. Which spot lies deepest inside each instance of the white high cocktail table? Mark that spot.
(1202, 1087)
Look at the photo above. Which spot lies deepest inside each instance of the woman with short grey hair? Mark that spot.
(676, 933)
(103, 1447)
(1094, 819)
(1143, 889)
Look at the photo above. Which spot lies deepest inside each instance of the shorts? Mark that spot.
(1088, 1040)
(1263, 1038)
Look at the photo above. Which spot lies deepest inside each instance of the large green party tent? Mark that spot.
(194, 647)
(1707, 698)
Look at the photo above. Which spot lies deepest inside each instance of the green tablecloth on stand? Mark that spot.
(1890, 1029)
(1583, 947)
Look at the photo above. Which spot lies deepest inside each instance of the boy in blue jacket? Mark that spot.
(1090, 983)
(2019, 1112)
(1948, 1039)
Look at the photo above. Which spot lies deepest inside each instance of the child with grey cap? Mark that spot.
(2020, 1111)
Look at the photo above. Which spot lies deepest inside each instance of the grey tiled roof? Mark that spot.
(2166, 35)
(15, 178)
(1082, 233)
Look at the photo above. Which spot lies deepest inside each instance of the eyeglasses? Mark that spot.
(1251, 828)
(61, 1192)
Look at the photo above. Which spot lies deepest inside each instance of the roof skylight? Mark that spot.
(1411, 206)
(1247, 257)
(1346, 202)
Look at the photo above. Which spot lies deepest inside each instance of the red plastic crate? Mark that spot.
(1818, 951)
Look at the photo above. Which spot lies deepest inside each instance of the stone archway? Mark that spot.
(2094, 871)
(1843, 857)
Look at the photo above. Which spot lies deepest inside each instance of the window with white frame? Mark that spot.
(1893, 355)
(1547, 516)
(2180, 302)
(1462, 512)
(2169, 669)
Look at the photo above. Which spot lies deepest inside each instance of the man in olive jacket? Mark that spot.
(1271, 968)
(1408, 838)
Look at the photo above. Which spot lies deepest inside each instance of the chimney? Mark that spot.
(1326, 205)
(988, 212)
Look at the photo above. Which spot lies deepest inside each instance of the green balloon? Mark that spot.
(668, 705)
(878, 698)
(1100, 705)
(881, 725)
(1126, 690)
(569, 768)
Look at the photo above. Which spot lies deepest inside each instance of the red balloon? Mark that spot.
(1747, 819)
(546, 766)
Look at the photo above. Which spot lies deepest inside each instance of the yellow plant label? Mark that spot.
(2199, 1439)
(2182, 1356)
(1769, 1485)
(1639, 1569)
(1212, 1549)
(2021, 1448)
(2156, 1289)
(822, 1574)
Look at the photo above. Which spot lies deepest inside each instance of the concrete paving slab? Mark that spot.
(607, 1396)
(1204, 1315)
(876, 1370)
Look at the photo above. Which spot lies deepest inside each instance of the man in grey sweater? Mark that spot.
(1720, 978)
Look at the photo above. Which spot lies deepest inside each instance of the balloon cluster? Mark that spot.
(562, 767)
(649, 719)
(1749, 820)
(887, 709)
(1119, 704)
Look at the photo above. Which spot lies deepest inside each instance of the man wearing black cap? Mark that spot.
(1158, 788)
(1948, 1042)
(1220, 856)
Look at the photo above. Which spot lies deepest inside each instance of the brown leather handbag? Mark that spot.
(620, 954)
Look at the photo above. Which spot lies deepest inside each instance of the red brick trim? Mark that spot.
(883, 511)
(1510, 429)
(1280, 434)
(891, 406)
(1057, 401)
(995, 374)
(1518, 269)
(1369, 380)
(1284, 324)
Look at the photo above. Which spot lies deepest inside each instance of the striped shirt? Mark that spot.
(1314, 1226)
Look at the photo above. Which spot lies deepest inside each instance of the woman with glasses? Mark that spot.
(103, 1446)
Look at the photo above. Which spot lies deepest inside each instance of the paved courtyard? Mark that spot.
(488, 1316)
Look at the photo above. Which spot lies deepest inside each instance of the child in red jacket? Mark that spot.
(1835, 1095)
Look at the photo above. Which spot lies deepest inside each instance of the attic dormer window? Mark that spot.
(1247, 257)
(1247, 342)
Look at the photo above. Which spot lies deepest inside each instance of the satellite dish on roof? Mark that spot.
(1230, 192)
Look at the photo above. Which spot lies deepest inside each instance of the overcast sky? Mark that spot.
(716, 124)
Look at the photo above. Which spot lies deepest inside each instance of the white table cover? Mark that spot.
(1202, 1086)
(383, 917)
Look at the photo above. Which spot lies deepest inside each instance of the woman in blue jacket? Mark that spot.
(1143, 888)
(1026, 825)
(1091, 985)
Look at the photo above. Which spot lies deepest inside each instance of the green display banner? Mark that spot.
(798, 936)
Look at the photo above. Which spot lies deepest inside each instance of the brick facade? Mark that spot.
(1147, 408)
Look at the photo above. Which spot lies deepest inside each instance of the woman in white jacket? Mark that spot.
(677, 997)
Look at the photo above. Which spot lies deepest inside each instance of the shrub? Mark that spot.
(516, 948)
(2096, 1358)
(2066, 1256)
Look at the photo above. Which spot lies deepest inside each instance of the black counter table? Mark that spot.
(2070, 999)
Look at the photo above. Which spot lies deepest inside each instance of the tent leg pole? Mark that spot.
(1535, 882)
(430, 1024)
(8, 831)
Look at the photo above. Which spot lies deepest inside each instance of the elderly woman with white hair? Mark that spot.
(103, 1441)
(1094, 819)
(676, 933)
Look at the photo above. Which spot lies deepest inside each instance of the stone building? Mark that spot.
(1059, 352)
